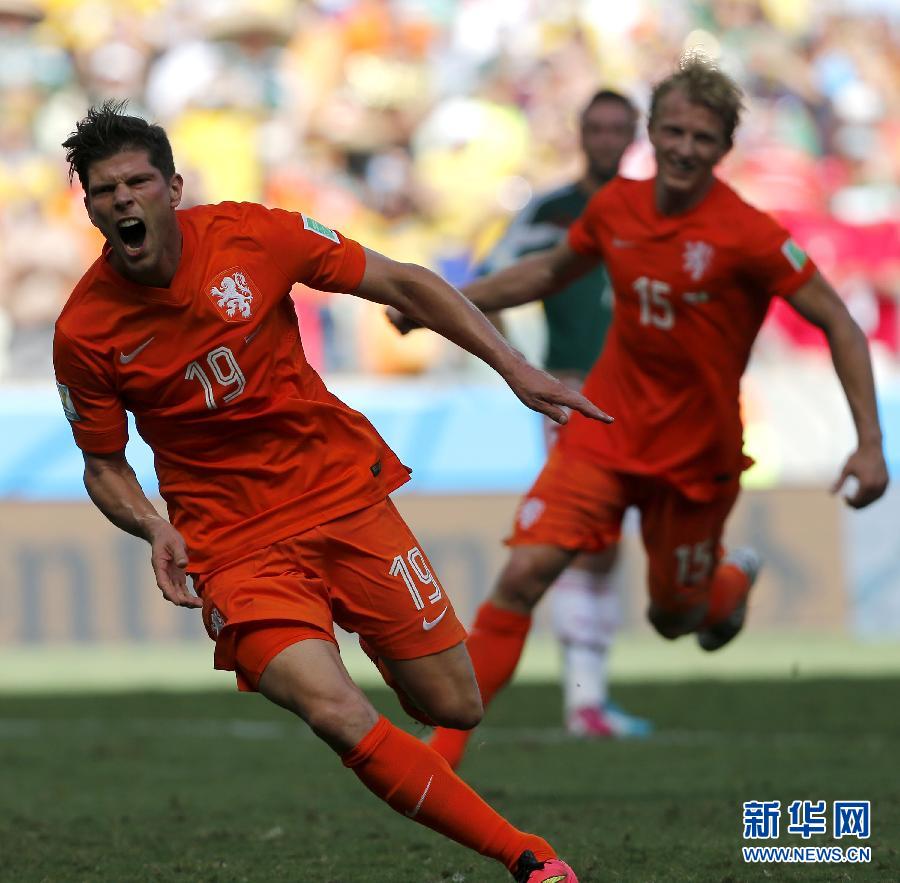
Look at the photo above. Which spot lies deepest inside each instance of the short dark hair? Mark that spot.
(107, 130)
(704, 84)
(610, 95)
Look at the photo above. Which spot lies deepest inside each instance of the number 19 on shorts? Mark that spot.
(413, 568)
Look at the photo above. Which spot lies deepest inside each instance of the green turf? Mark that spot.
(222, 787)
(637, 656)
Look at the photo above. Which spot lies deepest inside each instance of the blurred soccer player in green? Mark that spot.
(585, 604)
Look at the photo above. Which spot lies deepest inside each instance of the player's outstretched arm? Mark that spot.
(115, 491)
(819, 304)
(535, 277)
(433, 303)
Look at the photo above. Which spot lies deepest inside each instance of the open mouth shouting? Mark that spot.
(133, 234)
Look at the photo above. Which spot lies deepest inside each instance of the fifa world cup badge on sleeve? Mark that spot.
(795, 255)
(314, 226)
(68, 405)
(807, 819)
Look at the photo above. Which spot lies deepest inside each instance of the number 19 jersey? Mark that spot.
(249, 446)
(691, 292)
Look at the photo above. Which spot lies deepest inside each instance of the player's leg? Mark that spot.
(497, 636)
(734, 576)
(688, 581)
(586, 613)
(271, 617)
(309, 679)
(384, 588)
(573, 505)
(413, 636)
(441, 686)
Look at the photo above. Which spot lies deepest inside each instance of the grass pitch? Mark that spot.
(212, 786)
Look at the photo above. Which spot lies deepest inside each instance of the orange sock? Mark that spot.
(417, 782)
(495, 644)
(729, 588)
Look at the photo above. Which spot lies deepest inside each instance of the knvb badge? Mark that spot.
(235, 295)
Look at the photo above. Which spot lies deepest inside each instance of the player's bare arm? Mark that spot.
(819, 304)
(535, 277)
(433, 303)
(115, 491)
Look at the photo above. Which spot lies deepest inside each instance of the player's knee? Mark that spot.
(462, 711)
(341, 720)
(599, 564)
(673, 624)
(462, 716)
(667, 629)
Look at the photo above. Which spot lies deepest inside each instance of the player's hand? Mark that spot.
(866, 476)
(400, 321)
(168, 555)
(545, 394)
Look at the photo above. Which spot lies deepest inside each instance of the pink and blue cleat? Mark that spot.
(553, 870)
(606, 722)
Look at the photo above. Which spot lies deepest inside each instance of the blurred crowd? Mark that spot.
(420, 126)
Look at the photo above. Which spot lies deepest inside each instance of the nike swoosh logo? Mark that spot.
(125, 359)
(428, 626)
(253, 334)
(415, 812)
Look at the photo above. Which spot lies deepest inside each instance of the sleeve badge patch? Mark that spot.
(68, 405)
(314, 226)
(795, 255)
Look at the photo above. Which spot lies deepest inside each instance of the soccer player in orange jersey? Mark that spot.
(276, 490)
(694, 269)
(584, 602)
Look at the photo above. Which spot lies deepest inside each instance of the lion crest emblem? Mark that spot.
(233, 293)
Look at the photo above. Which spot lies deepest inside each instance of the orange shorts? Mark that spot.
(578, 504)
(365, 571)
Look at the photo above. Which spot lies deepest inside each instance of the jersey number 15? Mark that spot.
(656, 308)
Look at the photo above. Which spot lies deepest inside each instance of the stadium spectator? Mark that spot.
(276, 83)
(585, 602)
(278, 493)
(694, 269)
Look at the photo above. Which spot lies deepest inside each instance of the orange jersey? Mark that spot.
(249, 445)
(691, 292)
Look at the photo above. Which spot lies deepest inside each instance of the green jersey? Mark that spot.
(579, 316)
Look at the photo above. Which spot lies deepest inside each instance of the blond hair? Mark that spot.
(704, 84)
